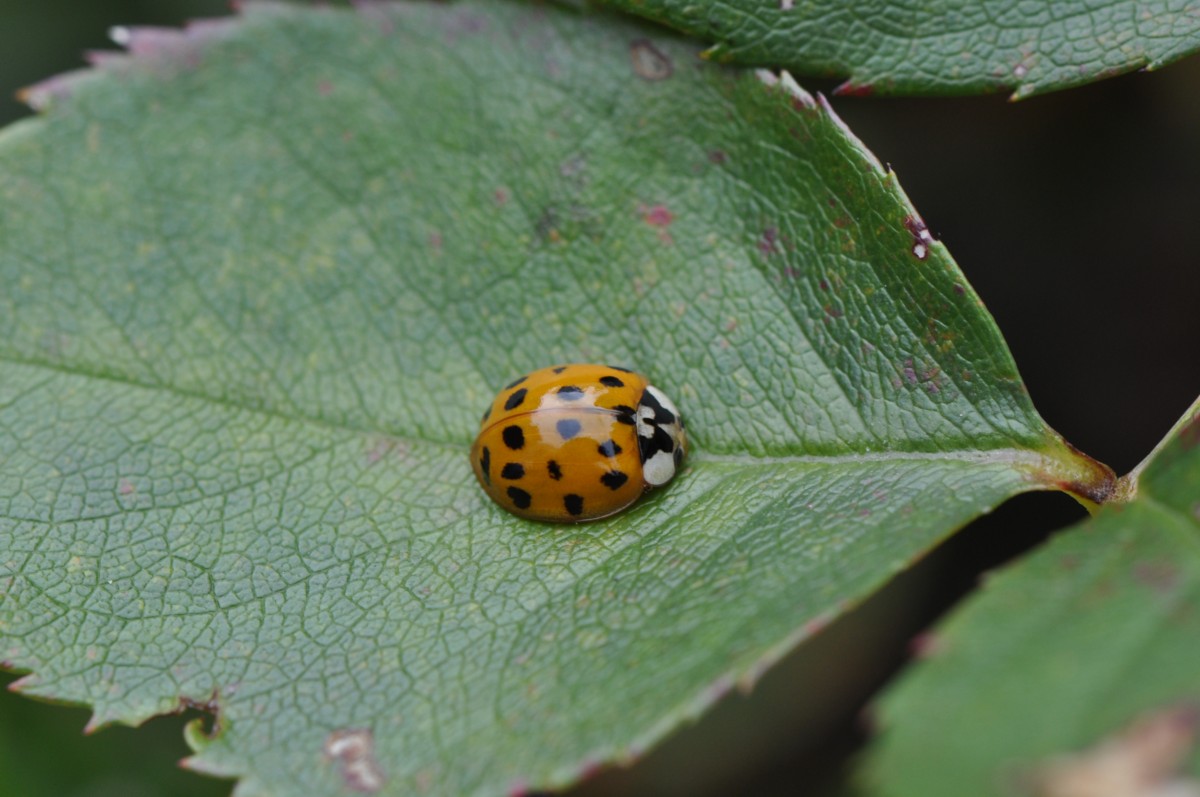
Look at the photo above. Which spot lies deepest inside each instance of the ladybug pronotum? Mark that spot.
(577, 442)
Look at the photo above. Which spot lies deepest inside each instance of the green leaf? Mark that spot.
(940, 47)
(1081, 659)
(261, 279)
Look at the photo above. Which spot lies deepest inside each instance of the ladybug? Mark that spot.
(577, 442)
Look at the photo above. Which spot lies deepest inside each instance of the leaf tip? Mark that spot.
(849, 88)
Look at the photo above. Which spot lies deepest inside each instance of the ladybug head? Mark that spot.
(662, 441)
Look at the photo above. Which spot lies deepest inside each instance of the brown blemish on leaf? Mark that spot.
(1159, 576)
(649, 62)
(209, 706)
(922, 239)
(501, 196)
(354, 750)
(1144, 759)
(435, 241)
(717, 157)
(324, 88)
(125, 487)
(1098, 489)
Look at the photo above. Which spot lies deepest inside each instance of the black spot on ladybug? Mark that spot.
(678, 456)
(514, 438)
(611, 381)
(485, 463)
(662, 415)
(614, 479)
(520, 498)
(560, 369)
(658, 441)
(574, 504)
(625, 414)
(515, 399)
(514, 383)
(609, 449)
(512, 471)
(555, 471)
(570, 393)
(568, 428)
(486, 413)
(619, 368)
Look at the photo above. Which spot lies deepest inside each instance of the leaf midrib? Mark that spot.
(1009, 455)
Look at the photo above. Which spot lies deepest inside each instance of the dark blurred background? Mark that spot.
(1075, 216)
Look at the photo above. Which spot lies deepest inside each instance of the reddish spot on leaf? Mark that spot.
(501, 196)
(832, 312)
(925, 645)
(658, 216)
(324, 88)
(435, 240)
(1189, 435)
(768, 242)
(717, 156)
(125, 487)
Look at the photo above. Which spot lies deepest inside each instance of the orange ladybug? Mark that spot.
(577, 442)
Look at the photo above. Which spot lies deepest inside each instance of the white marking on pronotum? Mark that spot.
(659, 469)
(354, 749)
(644, 416)
(120, 35)
(663, 400)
